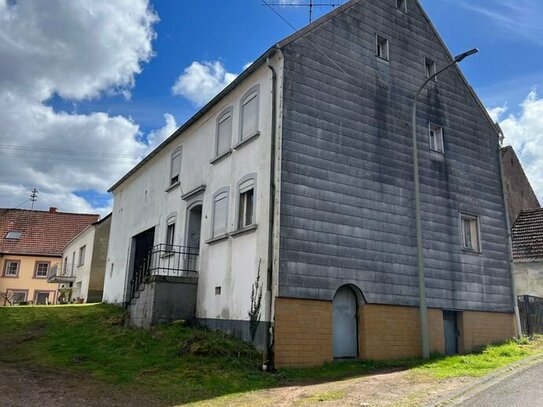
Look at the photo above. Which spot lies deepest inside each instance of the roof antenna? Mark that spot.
(310, 5)
(34, 196)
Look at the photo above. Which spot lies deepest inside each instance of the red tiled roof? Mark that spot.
(527, 235)
(43, 232)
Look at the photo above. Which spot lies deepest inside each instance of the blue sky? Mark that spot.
(207, 43)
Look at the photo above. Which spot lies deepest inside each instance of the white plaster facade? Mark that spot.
(82, 272)
(145, 200)
(528, 278)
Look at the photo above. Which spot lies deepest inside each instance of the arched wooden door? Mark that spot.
(345, 327)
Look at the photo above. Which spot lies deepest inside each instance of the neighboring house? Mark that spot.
(527, 235)
(302, 168)
(518, 192)
(31, 243)
(84, 262)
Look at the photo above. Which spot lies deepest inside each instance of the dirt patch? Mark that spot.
(26, 385)
(392, 388)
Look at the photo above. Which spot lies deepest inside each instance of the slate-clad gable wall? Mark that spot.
(347, 202)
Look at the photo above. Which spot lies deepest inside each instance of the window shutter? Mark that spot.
(220, 216)
(224, 134)
(250, 116)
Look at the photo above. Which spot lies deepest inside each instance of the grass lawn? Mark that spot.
(179, 364)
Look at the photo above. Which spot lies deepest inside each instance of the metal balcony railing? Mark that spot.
(166, 261)
(61, 273)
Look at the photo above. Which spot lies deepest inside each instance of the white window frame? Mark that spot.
(14, 291)
(475, 235)
(178, 152)
(38, 263)
(223, 193)
(379, 41)
(170, 223)
(6, 266)
(250, 95)
(438, 145)
(401, 5)
(226, 114)
(244, 185)
(81, 255)
(430, 68)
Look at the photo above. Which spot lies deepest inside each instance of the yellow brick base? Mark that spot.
(303, 331)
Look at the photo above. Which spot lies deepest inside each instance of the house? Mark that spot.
(31, 243)
(84, 263)
(527, 234)
(518, 191)
(297, 181)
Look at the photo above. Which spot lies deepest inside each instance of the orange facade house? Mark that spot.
(30, 243)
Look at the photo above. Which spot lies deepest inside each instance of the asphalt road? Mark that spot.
(523, 389)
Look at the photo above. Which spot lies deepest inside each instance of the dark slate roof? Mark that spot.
(527, 233)
(42, 232)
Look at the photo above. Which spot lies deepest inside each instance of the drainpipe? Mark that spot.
(509, 240)
(267, 361)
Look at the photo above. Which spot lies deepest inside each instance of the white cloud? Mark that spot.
(496, 112)
(158, 136)
(201, 81)
(524, 131)
(77, 50)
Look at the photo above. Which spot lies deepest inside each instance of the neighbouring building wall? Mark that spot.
(26, 280)
(529, 278)
(81, 268)
(227, 267)
(518, 191)
(347, 193)
(98, 260)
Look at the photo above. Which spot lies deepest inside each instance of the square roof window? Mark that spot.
(14, 235)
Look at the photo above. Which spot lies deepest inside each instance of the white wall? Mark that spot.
(142, 202)
(81, 284)
(529, 278)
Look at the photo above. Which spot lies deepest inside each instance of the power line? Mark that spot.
(308, 40)
(34, 197)
(310, 5)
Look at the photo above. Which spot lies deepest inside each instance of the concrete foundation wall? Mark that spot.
(162, 300)
(303, 331)
(529, 278)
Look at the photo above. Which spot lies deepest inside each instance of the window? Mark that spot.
(170, 236)
(175, 166)
(470, 232)
(73, 263)
(11, 269)
(81, 260)
(436, 138)
(217, 290)
(430, 68)
(13, 235)
(246, 203)
(249, 114)
(402, 5)
(18, 297)
(382, 47)
(220, 214)
(42, 267)
(224, 133)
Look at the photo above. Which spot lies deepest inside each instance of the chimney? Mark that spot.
(52, 209)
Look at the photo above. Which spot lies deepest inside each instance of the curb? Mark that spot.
(487, 381)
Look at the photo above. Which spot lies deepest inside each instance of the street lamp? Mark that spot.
(420, 255)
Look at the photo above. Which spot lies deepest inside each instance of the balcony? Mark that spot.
(61, 273)
(165, 261)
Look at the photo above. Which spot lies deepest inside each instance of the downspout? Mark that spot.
(267, 360)
(509, 240)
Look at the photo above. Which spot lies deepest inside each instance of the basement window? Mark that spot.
(401, 5)
(13, 235)
(382, 50)
(430, 68)
(470, 233)
(436, 138)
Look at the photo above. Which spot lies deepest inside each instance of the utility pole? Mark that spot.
(311, 5)
(34, 196)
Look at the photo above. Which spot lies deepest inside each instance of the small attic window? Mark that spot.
(382, 48)
(14, 235)
(401, 5)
